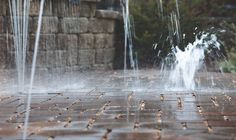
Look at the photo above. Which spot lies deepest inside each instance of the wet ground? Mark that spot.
(110, 106)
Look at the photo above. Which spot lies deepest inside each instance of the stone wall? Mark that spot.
(73, 35)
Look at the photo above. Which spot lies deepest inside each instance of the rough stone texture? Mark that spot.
(51, 59)
(104, 40)
(1, 24)
(86, 58)
(86, 41)
(101, 25)
(3, 45)
(104, 56)
(3, 7)
(73, 10)
(74, 25)
(47, 42)
(49, 25)
(91, 1)
(10, 43)
(108, 14)
(109, 55)
(10, 60)
(62, 42)
(59, 8)
(48, 8)
(41, 59)
(72, 53)
(56, 58)
(72, 35)
(3, 51)
(99, 56)
(61, 56)
(88, 9)
(65, 8)
(35, 7)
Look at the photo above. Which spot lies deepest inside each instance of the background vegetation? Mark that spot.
(151, 31)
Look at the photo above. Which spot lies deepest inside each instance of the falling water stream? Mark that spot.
(128, 35)
(19, 11)
(33, 70)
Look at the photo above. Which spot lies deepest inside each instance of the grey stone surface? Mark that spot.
(61, 58)
(62, 42)
(3, 51)
(99, 56)
(109, 54)
(51, 59)
(108, 14)
(48, 8)
(86, 41)
(103, 66)
(70, 34)
(56, 58)
(3, 45)
(59, 7)
(104, 56)
(87, 9)
(72, 56)
(41, 59)
(3, 59)
(73, 10)
(49, 25)
(62, 8)
(74, 25)
(10, 43)
(3, 7)
(10, 60)
(90, 0)
(1, 24)
(101, 25)
(35, 7)
(46, 42)
(72, 53)
(104, 40)
(86, 58)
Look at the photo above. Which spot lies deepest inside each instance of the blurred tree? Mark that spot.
(151, 35)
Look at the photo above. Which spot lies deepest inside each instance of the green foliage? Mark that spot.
(230, 65)
(151, 28)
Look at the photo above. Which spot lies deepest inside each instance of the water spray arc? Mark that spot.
(128, 35)
(33, 70)
(19, 11)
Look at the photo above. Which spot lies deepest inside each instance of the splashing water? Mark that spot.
(189, 61)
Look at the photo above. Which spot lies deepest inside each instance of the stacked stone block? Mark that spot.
(72, 35)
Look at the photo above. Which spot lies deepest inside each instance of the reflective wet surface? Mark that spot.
(110, 106)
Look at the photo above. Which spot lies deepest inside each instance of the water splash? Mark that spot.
(189, 61)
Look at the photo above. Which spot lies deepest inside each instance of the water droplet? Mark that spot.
(136, 125)
(162, 97)
(142, 105)
(51, 138)
(226, 118)
(184, 125)
(180, 103)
